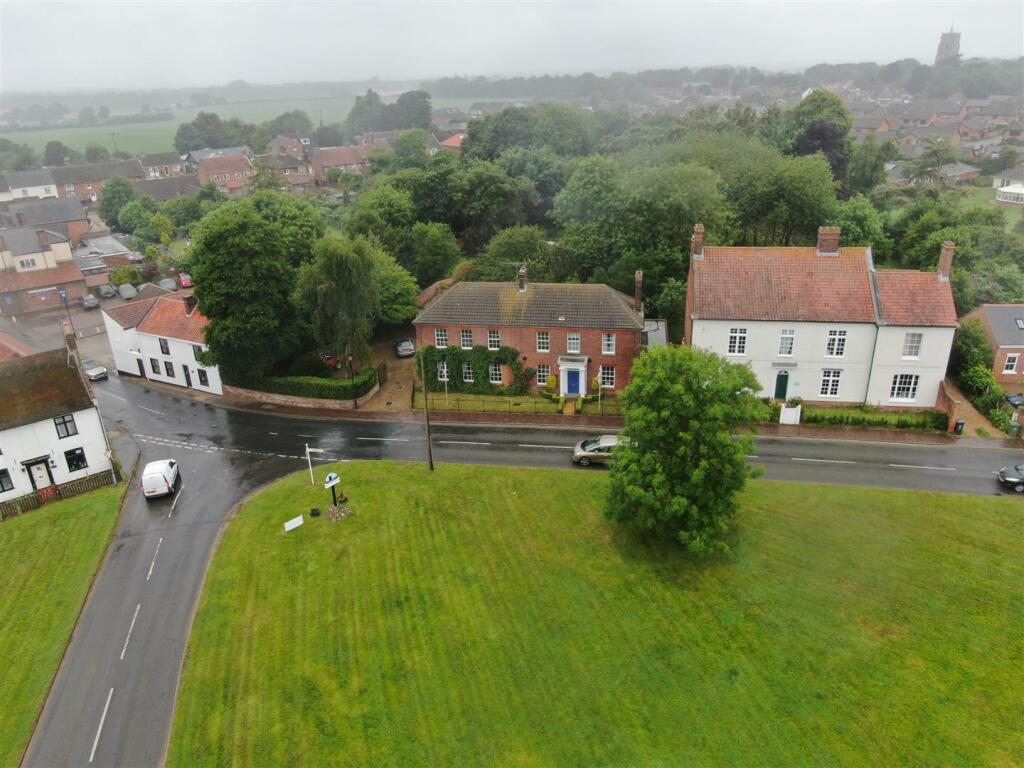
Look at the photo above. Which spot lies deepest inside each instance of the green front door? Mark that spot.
(781, 384)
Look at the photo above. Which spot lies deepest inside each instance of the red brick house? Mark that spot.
(355, 159)
(577, 333)
(230, 174)
(297, 145)
(86, 181)
(163, 165)
(1004, 326)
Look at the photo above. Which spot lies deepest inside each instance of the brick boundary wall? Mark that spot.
(255, 396)
(949, 404)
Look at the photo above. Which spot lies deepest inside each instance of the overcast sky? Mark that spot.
(87, 45)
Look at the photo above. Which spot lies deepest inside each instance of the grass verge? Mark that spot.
(48, 558)
(484, 616)
(488, 403)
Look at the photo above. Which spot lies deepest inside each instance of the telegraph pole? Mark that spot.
(113, 138)
(426, 412)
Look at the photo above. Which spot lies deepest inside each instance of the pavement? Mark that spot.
(113, 698)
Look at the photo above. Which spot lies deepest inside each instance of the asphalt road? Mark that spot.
(112, 702)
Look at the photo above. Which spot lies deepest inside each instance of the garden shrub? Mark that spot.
(479, 358)
(314, 386)
(310, 364)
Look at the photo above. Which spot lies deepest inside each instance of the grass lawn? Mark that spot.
(495, 403)
(491, 617)
(984, 197)
(48, 558)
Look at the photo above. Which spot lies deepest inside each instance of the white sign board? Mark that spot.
(292, 524)
(331, 480)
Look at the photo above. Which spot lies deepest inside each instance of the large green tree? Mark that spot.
(432, 253)
(338, 293)
(116, 193)
(678, 469)
(397, 291)
(513, 248)
(388, 214)
(821, 123)
(244, 283)
(297, 223)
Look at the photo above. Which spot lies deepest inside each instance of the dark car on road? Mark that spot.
(405, 348)
(1012, 477)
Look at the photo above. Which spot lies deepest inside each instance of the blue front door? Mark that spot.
(572, 384)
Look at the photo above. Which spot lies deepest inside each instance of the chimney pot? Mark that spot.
(946, 259)
(697, 242)
(638, 291)
(828, 240)
(41, 234)
(521, 279)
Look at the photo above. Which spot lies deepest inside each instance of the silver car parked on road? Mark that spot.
(595, 450)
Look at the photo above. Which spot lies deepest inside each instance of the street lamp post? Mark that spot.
(426, 412)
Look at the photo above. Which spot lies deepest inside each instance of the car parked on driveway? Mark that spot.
(1012, 477)
(127, 291)
(595, 450)
(168, 284)
(404, 348)
(89, 301)
(93, 371)
(159, 478)
(107, 291)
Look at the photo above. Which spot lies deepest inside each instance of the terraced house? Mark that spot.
(822, 323)
(577, 333)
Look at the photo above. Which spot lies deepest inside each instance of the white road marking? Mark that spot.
(111, 394)
(460, 442)
(99, 730)
(271, 433)
(282, 456)
(130, 628)
(175, 502)
(922, 466)
(825, 461)
(753, 456)
(304, 435)
(154, 558)
(386, 439)
(538, 445)
(158, 413)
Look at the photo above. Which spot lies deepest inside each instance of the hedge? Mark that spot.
(314, 386)
(857, 417)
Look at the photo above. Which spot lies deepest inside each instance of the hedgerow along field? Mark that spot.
(140, 138)
(483, 616)
(48, 558)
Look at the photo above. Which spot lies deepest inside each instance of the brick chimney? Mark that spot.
(638, 291)
(697, 242)
(946, 260)
(521, 279)
(43, 239)
(828, 240)
(190, 303)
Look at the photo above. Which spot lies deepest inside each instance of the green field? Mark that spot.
(48, 558)
(984, 197)
(485, 616)
(159, 137)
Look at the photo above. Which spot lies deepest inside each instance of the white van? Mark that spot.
(159, 478)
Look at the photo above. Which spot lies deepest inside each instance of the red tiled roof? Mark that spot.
(910, 297)
(454, 141)
(775, 283)
(10, 348)
(67, 272)
(130, 315)
(170, 318)
(328, 157)
(226, 164)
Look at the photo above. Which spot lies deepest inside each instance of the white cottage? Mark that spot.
(822, 323)
(159, 339)
(50, 430)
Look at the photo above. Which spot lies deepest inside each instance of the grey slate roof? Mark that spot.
(163, 190)
(40, 177)
(551, 305)
(77, 174)
(39, 387)
(61, 209)
(22, 240)
(161, 158)
(201, 154)
(1002, 318)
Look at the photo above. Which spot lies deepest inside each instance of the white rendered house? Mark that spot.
(50, 429)
(159, 339)
(822, 323)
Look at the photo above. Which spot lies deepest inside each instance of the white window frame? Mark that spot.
(442, 370)
(441, 338)
(607, 377)
(835, 346)
(573, 342)
(467, 373)
(494, 373)
(463, 334)
(543, 341)
(607, 343)
(1009, 367)
(907, 383)
(912, 341)
(737, 342)
(543, 371)
(493, 340)
(830, 378)
(787, 335)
